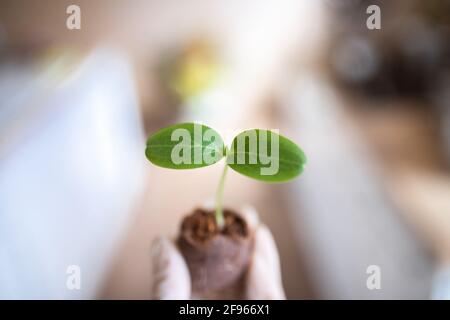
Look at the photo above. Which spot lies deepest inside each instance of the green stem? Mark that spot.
(219, 198)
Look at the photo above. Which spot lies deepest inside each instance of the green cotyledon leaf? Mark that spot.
(185, 146)
(265, 155)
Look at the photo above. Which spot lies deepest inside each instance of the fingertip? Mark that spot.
(261, 283)
(265, 245)
(250, 215)
(209, 204)
(171, 278)
(157, 247)
(266, 253)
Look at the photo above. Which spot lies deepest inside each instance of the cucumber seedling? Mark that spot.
(217, 245)
(259, 154)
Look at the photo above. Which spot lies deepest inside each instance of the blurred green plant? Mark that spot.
(195, 69)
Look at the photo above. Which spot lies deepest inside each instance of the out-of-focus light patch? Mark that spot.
(195, 69)
(355, 59)
(260, 40)
(102, 115)
(57, 65)
(264, 29)
(264, 35)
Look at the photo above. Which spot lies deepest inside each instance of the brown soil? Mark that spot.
(216, 258)
(201, 226)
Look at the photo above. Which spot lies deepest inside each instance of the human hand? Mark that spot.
(262, 280)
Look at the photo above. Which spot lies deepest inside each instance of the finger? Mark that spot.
(251, 217)
(265, 248)
(264, 276)
(208, 204)
(171, 279)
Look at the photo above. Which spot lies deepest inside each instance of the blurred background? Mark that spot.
(370, 108)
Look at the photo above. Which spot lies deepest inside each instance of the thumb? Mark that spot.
(264, 276)
(171, 279)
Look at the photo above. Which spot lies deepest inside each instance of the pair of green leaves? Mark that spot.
(256, 153)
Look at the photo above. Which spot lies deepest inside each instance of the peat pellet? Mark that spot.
(216, 258)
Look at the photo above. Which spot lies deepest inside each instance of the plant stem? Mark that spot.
(219, 198)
